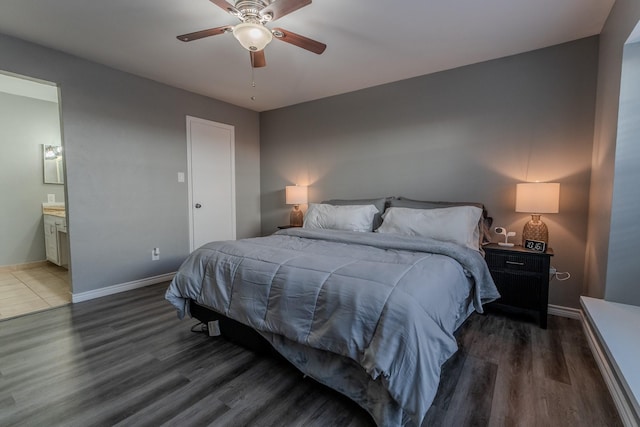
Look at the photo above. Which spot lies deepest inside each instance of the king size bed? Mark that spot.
(369, 314)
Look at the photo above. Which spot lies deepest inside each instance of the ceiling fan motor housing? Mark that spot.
(249, 11)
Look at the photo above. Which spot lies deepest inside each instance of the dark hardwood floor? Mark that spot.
(126, 360)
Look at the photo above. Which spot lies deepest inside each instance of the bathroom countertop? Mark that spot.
(55, 209)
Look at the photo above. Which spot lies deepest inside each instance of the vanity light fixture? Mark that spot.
(52, 151)
(537, 198)
(295, 195)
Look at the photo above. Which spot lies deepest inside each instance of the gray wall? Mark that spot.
(623, 268)
(470, 134)
(125, 141)
(621, 21)
(25, 125)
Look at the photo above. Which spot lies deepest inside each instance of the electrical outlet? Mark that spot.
(552, 272)
(155, 254)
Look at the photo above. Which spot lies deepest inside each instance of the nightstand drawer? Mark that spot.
(515, 262)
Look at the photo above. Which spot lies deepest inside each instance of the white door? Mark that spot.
(211, 174)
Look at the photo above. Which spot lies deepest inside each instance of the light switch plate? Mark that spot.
(51, 198)
(180, 176)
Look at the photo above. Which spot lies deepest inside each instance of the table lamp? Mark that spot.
(537, 198)
(295, 195)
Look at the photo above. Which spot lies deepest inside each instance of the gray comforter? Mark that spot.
(386, 305)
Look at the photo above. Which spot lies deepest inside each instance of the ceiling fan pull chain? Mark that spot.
(253, 83)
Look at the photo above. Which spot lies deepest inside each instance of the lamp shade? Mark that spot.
(295, 195)
(253, 37)
(538, 197)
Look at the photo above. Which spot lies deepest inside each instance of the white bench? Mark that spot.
(614, 333)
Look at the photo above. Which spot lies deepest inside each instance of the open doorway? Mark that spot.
(34, 258)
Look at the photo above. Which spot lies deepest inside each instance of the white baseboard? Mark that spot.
(122, 287)
(626, 412)
(558, 310)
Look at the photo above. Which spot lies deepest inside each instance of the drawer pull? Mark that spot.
(514, 263)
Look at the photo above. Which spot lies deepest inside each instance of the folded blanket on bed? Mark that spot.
(389, 303)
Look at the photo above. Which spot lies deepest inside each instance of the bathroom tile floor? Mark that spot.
(25, 291)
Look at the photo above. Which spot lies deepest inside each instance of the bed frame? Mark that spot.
(233, 330)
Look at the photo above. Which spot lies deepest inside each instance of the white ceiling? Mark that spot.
(370, 42)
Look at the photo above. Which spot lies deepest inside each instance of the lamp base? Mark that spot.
(535, 230)
(296, 217)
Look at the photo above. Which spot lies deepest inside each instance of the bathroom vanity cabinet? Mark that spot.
(55, 237)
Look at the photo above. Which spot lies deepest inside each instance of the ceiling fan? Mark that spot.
(252, 32)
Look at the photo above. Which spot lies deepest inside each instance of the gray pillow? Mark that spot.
(484, 224)
(380, 204)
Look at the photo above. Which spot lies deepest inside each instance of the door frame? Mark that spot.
(231, 129)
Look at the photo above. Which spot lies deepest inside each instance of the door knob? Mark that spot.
(198, 205)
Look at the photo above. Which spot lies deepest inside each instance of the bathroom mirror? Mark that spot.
(53, 166)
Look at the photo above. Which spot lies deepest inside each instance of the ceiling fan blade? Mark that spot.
(298, 40)
(224, 4)
(257, 59)
(280, 8)
(204, 33)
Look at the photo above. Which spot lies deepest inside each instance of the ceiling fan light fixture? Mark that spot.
(253, 37)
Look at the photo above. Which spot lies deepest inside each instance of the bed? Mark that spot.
(369, 314)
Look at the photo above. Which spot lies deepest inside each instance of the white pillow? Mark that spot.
(348, 217)
(457, 224)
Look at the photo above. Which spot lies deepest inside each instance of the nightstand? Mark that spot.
(522, 277)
